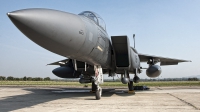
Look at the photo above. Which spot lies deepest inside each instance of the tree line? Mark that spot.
(10, 78)
(193, 79)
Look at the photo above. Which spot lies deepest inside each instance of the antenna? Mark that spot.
(134, 39)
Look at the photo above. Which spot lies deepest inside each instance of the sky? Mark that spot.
(168, 28)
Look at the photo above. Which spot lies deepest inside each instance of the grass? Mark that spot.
(106, 84)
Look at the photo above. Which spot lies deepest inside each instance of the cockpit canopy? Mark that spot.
(95, 17)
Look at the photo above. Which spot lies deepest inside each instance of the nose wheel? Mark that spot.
(97, 90)
(94, 88)
(98, 93)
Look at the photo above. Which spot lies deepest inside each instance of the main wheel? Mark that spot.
(130, 86)
(98, 94)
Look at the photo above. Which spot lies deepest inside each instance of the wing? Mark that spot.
(162, 60)
(62, 62)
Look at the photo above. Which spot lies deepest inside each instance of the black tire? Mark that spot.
(130, 86)
(98, 95)
(94, 86)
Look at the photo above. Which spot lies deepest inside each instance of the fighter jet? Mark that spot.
(88, 49)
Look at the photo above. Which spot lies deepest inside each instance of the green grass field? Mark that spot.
(107, 84)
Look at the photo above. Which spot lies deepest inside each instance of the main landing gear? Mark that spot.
(130, 87)
(135, 80)
(125, 78)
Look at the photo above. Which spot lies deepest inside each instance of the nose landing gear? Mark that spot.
(98, 93)
(98, 79)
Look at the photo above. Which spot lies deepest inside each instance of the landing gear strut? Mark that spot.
(130, 85)
(98, 80)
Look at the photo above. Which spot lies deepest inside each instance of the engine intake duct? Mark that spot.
(121, 51)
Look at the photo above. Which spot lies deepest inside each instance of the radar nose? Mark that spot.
(56, 31)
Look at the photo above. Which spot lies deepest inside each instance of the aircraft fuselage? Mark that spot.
(69, 35)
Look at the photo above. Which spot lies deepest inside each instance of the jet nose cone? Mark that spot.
(8, 14)
(15, 14)
(11, 15)
(56, 31)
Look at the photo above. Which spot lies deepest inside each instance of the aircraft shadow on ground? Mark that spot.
(42, 95)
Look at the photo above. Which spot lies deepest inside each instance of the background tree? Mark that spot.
(47, 79)
(16, 79)
(193, 79)
(2, 78)
(10, 78)
(24, 78)
(29, 79)
(37, 79)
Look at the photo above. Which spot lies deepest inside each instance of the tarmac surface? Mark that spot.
(61, 99)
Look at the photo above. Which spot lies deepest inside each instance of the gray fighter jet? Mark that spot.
(90, 52)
